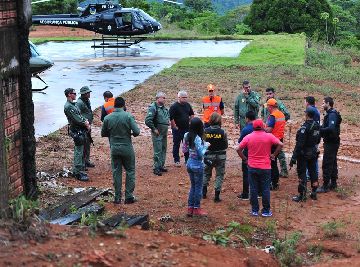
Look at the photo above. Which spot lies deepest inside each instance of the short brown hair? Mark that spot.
(215, 119)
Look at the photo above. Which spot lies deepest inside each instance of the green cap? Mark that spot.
(84, 90)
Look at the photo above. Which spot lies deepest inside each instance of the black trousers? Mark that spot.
(244, 168)
(274, 170)
(329, 164)
(301, 165)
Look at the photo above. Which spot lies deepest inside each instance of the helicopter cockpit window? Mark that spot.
(127, 18)
(145, 16)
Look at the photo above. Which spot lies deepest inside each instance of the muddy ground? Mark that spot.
(179, 241)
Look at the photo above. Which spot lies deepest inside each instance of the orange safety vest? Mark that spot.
(109, 105)
(279, 127)
(210, 106)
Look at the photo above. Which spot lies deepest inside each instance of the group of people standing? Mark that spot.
(204, 143)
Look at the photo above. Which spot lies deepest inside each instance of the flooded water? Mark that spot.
(117, 70)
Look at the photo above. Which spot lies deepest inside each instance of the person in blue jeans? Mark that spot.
(194, 144)
(259, 145)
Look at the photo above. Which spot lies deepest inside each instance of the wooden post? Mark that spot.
(4, 180)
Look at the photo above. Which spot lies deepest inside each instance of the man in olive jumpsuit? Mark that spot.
(119, 126)
(270, 93)
(78, 128)
(157, 119)
(247, 100)
(84, 105)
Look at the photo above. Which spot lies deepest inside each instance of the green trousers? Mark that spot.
(79, 161)
(128, 162)
(218, 162)
(283, 165)
(87, 151)
(160, 147)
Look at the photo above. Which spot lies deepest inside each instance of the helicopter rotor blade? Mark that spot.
(37, 76)
(40, 1)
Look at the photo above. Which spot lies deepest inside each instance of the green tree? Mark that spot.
(325, 16)
(228, 22)
(199, 5)
(290, 16)
(207, 22)
(55, 7)
(142, 4)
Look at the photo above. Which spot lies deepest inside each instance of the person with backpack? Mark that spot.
(158, 120)
(330, 132)
(195, 145)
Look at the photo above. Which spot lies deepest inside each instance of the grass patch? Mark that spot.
(285, 250)
(263, 50)
(315, 251)
(332, 229)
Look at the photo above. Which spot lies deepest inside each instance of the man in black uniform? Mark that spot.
(305, 155)
(330, 132)
(181, 113)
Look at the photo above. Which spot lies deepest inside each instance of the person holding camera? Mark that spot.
(215, 157)
(78, 129)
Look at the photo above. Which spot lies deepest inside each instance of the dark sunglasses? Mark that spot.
(72, 93)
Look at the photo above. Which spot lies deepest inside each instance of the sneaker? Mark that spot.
(199, 212)
(243, 196)
(130, 200)
(322, 189)
(190, 211)
(163, 169)
(266, 214)
(81, 176)
(177, 164)
(254, 213)
(157, 172)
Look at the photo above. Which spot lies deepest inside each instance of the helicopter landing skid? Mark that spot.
(116, 42)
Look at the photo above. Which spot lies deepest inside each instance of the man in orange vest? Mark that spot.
(276, 125)
(108, 107)
(211, 103)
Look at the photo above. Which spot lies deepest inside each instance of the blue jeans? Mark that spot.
(259, 181)
(195, 169)
(178, 136)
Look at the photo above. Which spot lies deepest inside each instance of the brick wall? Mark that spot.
(10, 92)
(12, 127)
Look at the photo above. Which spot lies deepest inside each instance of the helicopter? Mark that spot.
(106, 19)
(38, 64)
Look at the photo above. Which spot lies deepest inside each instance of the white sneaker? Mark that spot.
(177, 164)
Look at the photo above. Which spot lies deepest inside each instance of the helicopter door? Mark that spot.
(127, 21)
(119, 21)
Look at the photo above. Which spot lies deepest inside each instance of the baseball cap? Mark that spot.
(258, 124)
(84, 90)
(211, 87)
(271, 102)
(311, 111)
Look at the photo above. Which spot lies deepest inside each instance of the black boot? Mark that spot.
(313, 195)
(204, 192)
(217, 196)
(299, 198)
(157, 172)
(323, 189)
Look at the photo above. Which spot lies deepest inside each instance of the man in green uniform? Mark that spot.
(245, 101)
(270, 93)
(84, 105)
(78, 128)
(119, 126)
(157, 119)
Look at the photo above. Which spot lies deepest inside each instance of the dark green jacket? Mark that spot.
(265, 112)
(245, 103)
(75, 119)
(85, 110)
(119, 126)
(157, 117)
